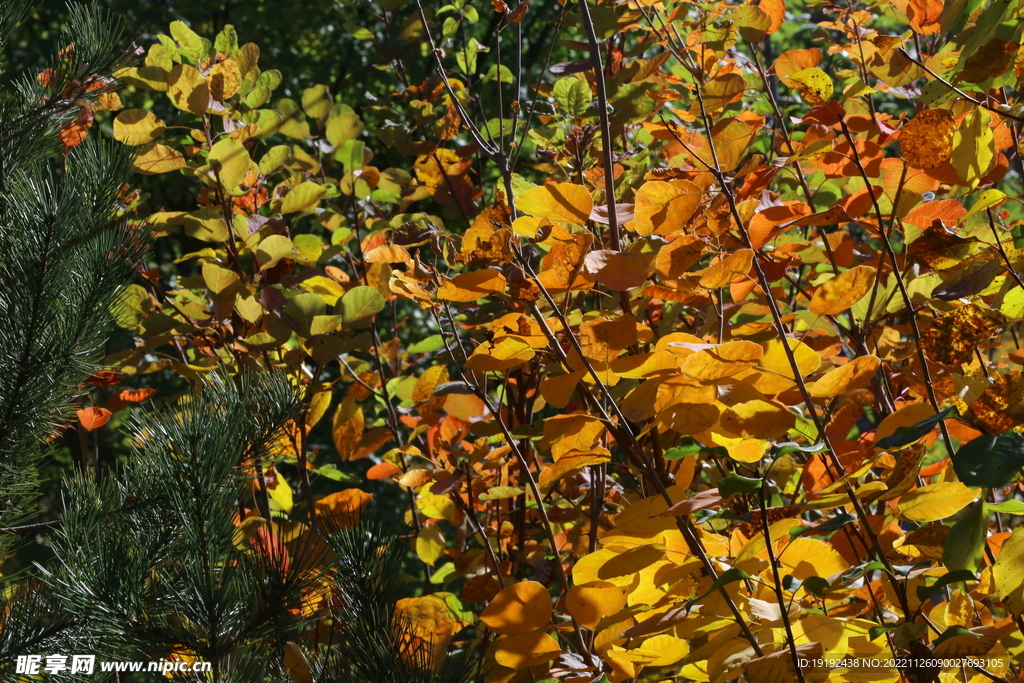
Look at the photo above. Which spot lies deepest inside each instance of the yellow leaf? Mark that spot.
(776, 370)
(854, 375)
(632, 560)
(281, 493)
(137, 127)
(669, 649)
(593, 601)
(347, 427)
(577, 431)
(831, 633)
(733, 267)
(500, 355)
(205, 224)
(989, 199)
(664, 207)
(518, 608)
(145, 77)
(248, 307)
(436, 506)
(478, 284)
(523, 650)
(805, 557)
(230, 162)
(936, 501)
(319, 402)
(724, 360)
(813, 84)
(1008, 572)
(188, 89)
(908, 415)
(295, 664)
(558, 202)
(423, 391)
(303, 197)
(271, 250)
(974, 148)
(758, 419)
(218, 279)
(155, 158)
(225, 79)
(843, 291)
(430, 544)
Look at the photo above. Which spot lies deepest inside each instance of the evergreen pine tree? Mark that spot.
(175, 552)
(63, 259)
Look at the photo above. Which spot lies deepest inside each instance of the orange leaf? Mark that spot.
(382, 470)
(843, 291)
(344, 508)
(617, 270)
(135, 395)
(93, 418)
(519, 608)
(664, 206)
(387, 253)
(472, 286)
(926, 141)
(854, 375)
(731, 268)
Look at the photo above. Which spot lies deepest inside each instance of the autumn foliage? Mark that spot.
(686, 362)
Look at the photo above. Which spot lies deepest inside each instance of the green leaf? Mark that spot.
(686, 449)
(816, 585)
(907, 435)
(304, 308)
(226, 41)
(350, 155)
(990, 461)
(500, 73)
(1010, 507)
(953, 632)
(780, 449)
(734, 483)
(725, 578)
(360, 303)
(965, 543)
(834, 524)
(188, 40)
(431, 343)
(573, 95)
(957, 576)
